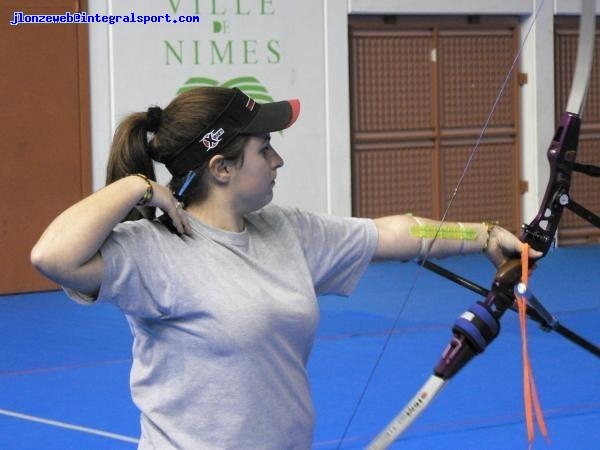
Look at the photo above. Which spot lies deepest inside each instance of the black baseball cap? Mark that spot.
(241, 116)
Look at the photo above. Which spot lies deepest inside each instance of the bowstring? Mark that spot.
(473, 152)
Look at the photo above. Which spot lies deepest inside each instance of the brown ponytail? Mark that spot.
(129, 155)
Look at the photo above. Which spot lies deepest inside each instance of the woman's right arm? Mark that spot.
(68, 250)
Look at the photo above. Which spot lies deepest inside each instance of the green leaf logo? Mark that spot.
(249, 85)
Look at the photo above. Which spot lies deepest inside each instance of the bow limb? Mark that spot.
(480, 325)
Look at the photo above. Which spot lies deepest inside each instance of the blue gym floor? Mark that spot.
(64, 368)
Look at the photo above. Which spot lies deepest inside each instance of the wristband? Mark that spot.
(149, 190)
(489, 226)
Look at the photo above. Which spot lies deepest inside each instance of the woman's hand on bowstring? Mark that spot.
(164, 200)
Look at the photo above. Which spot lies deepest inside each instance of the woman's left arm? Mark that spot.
(404, 237)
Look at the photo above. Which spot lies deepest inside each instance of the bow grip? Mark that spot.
(539, 234)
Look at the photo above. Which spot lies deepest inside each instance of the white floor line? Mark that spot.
(55, 423)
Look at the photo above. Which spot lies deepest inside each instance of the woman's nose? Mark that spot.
(276, 160)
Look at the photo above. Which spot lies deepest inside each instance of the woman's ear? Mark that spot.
(219, 169)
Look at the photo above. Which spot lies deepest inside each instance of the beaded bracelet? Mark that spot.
(488, 227)
(149, 190)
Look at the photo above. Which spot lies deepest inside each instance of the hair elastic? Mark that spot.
(154, 118)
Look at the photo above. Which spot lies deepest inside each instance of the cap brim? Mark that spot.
(274, 116)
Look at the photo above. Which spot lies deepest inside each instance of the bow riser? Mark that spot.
(540, 232)
(471, 333)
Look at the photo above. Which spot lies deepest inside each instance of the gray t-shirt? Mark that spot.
(224, 323)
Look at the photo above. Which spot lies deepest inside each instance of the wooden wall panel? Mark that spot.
(45, 140)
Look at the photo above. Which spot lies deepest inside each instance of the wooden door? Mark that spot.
(45, 132)
(421, 90)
